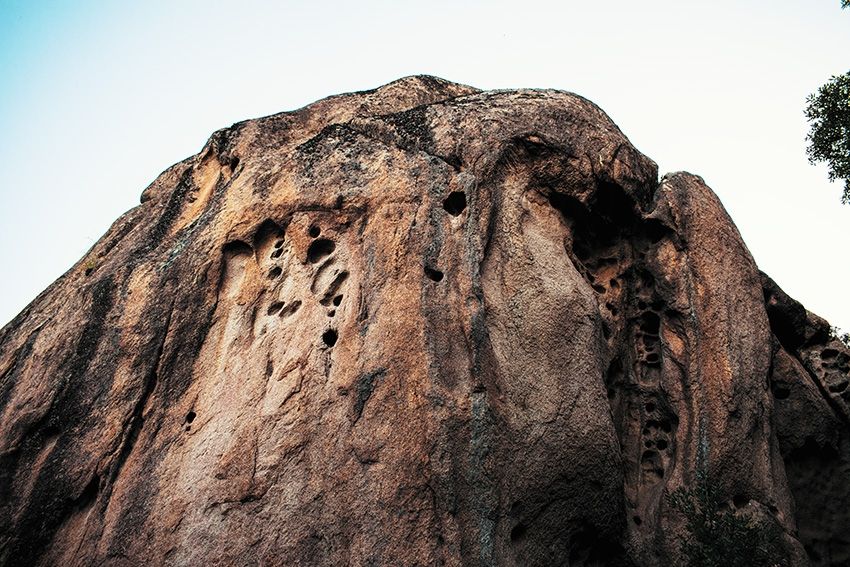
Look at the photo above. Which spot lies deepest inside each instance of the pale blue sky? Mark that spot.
(97, 98)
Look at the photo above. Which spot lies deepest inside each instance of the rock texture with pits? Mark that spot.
(420, 325)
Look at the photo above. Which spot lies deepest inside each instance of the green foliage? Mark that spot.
(845, 3)
(717, 537)
(835, 332)
(828, 113)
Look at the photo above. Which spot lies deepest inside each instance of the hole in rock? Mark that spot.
(836, 388)
(650, 323)
(435, 275)
(291, 308)
(269, 231)
(333, 288)
(455, 203)
(190, 417)
(780, 391)
(276, 254)
(275, 272)
(740, 500)
(661, 444)
(236, 248)
(278, 244)
(650, 407)
(274, 308)
(599, 288)
(331, 313)
(647, 280)
(337, 300)
(329, 337)
(637, 520)
(319, 249)
(518, 532)
(665, 427)
(828, 353)
(614, 284)
(314, 231)
(613, 205)
(648, 444)
(652, 358)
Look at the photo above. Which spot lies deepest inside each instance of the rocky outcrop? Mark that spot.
(420, 325)
(809, 380)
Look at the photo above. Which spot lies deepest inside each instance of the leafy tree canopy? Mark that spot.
(828, 112)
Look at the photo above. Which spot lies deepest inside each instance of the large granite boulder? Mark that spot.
(420, 325)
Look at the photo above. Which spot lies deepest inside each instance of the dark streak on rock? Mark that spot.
(136, 421)
(169, 214)
(55, 494)
(363, 389)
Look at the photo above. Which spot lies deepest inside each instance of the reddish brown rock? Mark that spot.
(421, 325)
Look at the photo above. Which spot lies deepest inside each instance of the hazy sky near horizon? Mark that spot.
(98, 98)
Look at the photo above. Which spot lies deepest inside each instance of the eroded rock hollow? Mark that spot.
(420, 325)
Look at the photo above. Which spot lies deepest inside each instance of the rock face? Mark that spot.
(420, 325)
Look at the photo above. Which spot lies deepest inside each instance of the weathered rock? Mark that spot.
(421, 325)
